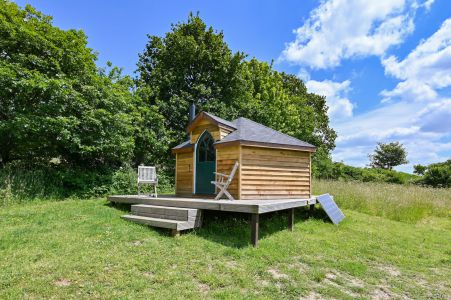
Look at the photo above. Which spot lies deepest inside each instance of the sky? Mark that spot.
(383, 65)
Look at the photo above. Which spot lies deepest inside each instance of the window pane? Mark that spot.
(206, 150)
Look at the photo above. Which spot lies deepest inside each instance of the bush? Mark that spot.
(340, 171)
(19, 182)
(438, 175)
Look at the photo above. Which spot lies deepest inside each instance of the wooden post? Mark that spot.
(291, 219)
(254, 229)
(175, 232)
(311, 209)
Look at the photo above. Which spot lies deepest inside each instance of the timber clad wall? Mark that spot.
(225, 160)
(201, 127)
(264, 173)
(224, 132)
(184, 174)
(274, 173)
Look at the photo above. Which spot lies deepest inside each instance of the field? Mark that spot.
(394, 243)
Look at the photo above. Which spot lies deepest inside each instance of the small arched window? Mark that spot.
(205, 148)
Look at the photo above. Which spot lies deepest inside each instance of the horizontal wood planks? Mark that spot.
(224, 132)
(268, 173)
(184, 174)
(225, 160)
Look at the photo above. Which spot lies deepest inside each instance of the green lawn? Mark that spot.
(83, 249)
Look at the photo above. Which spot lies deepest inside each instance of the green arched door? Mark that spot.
(205, 164)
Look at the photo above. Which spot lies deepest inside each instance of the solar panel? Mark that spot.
(331, 208)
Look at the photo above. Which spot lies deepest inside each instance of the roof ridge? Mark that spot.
(287, 135)
(221, 120)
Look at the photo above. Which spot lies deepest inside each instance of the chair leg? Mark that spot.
(139, 190)
(219, 195)
(155, 188)
(228, 195)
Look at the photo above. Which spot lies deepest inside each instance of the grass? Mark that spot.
(407, 203)
(83, 249)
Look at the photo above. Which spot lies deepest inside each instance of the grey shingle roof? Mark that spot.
(185, 144)
(248, 130)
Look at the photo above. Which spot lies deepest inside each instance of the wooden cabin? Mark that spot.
(272, 165)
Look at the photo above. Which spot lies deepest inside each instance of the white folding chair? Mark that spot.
(147, 175)
(223, 184)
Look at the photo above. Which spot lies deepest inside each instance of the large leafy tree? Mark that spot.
(193, 64)
(387, 156)
(190, 64)
(54, 101)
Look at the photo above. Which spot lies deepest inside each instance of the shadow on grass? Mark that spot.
(119, 206)
(233, 229)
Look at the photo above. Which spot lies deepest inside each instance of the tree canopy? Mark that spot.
(57, 105)
(387, 156)
(193, 64)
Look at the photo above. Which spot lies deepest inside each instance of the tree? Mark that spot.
(54, 101)
(193, 64)
(387, 156)
(438, 175)
(419, 169)
(190, 64)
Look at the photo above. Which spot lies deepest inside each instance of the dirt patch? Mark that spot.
(301, 267)
(149, 274)
(342, 282)
(263, 283)
(312, 296)
(331, 276)
(136, 243)
(203, 288)
(390, 270)
(231, 264)
(276, 274)
(350, 280)
(63, 282)
(382, 293)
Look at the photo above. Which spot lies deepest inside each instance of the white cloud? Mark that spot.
(335, 92)
(421, 127)
(424, 71)
(415, 112)
(341, 29)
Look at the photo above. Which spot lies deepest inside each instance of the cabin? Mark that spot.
(272, 165)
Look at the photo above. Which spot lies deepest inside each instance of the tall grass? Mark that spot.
(407, 203)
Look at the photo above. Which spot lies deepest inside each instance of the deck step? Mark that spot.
(162, 223)
(166, 212)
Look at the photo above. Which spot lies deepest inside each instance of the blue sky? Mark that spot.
(384, 65)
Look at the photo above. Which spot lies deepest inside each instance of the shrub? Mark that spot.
(438, 175)
(19, 182)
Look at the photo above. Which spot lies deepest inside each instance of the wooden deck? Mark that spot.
(253, 207)
(244, 206)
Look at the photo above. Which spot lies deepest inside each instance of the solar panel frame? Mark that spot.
(331, 208)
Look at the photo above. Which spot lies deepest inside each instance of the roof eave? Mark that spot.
(266, 145)
(182, 150)
(192, 124)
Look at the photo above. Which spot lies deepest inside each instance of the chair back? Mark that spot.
(146, 174)
(232, 174)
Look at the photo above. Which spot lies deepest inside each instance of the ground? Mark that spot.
(83, 249)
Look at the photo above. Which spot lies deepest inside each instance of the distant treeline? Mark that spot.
(435, 175)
